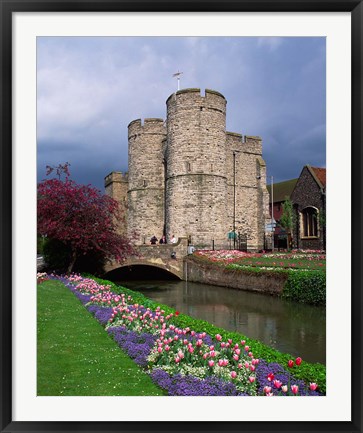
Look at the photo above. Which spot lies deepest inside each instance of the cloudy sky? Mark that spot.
(90, 88)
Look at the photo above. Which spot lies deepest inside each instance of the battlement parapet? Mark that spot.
(245, 143)
(195, 95)
(149, 126)
(253, 144)
(116, 176)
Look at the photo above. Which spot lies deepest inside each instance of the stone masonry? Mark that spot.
(188, 177)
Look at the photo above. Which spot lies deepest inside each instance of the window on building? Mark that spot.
(188, 166)
(309, 222)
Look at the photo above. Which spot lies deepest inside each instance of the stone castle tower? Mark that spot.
(189, 177)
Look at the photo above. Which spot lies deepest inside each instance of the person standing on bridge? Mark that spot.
(162, 240)
(153, 240)
(173, 239)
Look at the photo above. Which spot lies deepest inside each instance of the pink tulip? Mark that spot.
(277, 383)
(284, 388)
(233, 374)
(218, 337)
(181, 354)
(220, 362)
(177, 359)
(243, 342)
(269, 394)
(294, 389)
(160, 349)
(236, 357)
(247, 348)
(252, 368)
(211, 363)
(239, 365)
(247, 365)
(313, 386)
(267, 389)
(251, 379)
(237, 351)
(190, 349)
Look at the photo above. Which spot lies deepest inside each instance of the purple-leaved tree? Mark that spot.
(81, 217)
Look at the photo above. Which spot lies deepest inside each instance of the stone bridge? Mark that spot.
(159, 256)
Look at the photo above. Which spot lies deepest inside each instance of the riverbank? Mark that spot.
(226, 345)
(301, 278)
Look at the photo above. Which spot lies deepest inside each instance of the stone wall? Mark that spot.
(198, 273)
(116, 186)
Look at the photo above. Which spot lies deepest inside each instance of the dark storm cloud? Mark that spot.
(90, 88)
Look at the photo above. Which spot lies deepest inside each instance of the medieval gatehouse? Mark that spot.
(189, 177)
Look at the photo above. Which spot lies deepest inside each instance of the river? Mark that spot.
(287, 326)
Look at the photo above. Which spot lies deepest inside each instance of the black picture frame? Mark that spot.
(7, 8)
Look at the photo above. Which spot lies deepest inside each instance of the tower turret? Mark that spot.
(195, 170)
(146, 179)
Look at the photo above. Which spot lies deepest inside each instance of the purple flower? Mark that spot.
(263, 369)
(179, 385)
(137, 346)
(102, 314)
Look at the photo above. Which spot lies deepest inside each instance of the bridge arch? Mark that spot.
(141, 270)
(169, 257)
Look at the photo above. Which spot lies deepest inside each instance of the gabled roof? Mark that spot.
(282, 190)
(319, 175)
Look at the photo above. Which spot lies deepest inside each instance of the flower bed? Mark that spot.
(309, 260)
(179, 359)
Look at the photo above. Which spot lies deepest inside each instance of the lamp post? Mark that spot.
(234, 198)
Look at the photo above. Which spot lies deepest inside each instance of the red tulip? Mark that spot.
(298, 361)
(270, 377)
(290, 363)
(313, 386)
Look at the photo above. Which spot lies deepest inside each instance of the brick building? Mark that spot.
(308, 198)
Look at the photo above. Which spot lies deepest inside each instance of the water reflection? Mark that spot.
(289, 327)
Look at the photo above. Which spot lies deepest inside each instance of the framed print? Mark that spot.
(292, 72)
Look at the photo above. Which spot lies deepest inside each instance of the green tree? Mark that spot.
(287, 220)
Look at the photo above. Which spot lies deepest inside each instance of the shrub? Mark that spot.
(57, 255)
(306, 286)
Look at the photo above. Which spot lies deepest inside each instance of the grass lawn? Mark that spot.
(75, 355)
